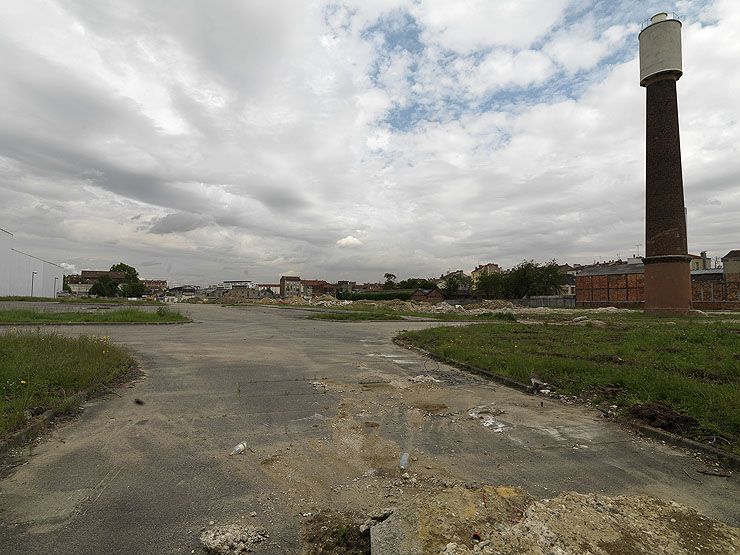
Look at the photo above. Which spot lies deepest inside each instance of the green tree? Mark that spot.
(532, 278)
(132, 289)
(452, 286)
(132, 276)
(456, 285)
(416, 283)
(390, 281)
(490, 286)
(132, 286)
(104, 287)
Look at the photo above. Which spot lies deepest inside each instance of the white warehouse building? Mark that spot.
(25, 275)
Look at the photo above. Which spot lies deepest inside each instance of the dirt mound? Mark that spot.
(594, 524)
(232, 539)
(506, 521)
(662, 416)
(334, 532)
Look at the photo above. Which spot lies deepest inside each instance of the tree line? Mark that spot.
(131, 286)
(526, 279)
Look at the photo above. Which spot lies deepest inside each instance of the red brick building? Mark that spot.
(427, 296)
(623, 285)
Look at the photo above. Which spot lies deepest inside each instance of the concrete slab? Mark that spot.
(326, 408)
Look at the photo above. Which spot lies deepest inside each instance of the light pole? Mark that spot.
(56, 278)
(33, 275)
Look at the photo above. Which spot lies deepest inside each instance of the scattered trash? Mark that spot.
(486, 414)
(538, 386)
(233, 539)
(422, 378)
(404, 462)
(318, 386)
(240, 448)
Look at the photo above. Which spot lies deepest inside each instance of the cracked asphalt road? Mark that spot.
(326, 408)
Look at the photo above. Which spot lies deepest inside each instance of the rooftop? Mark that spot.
(612, 269)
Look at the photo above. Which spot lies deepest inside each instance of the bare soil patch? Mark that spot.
(664, 417)
(334, 532)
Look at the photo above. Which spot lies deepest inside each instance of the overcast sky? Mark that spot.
(202, 141)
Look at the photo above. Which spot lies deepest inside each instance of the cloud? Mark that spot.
(472, 24)
(250, 136)
(349, 241)
(177, 222)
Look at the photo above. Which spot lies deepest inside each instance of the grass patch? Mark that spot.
(41, 371)
(691, 367)
(354, 316)
(357, 315)
(123, 315)
(81, 300)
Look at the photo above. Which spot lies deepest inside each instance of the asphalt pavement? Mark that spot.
(326, 408)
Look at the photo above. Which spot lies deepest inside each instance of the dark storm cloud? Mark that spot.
(177, 223)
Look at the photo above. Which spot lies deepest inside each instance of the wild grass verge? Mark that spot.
(354, 316)
(123, 315)
(678, 368)
(81, 300)
(41, 371)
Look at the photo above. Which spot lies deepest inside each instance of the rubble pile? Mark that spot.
(503, 520)
(232, 539)
(599, 525)
(397, 305)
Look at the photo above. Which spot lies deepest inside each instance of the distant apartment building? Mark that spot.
(95, 275)
(484, 270)
(290, 286)
(317, 288)
(230, 283)
(731, 264)
(700, 262)
(155, 286)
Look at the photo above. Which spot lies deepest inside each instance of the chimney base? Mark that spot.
(667, 285)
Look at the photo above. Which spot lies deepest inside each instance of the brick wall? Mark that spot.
(628, 291)
(616, 290)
